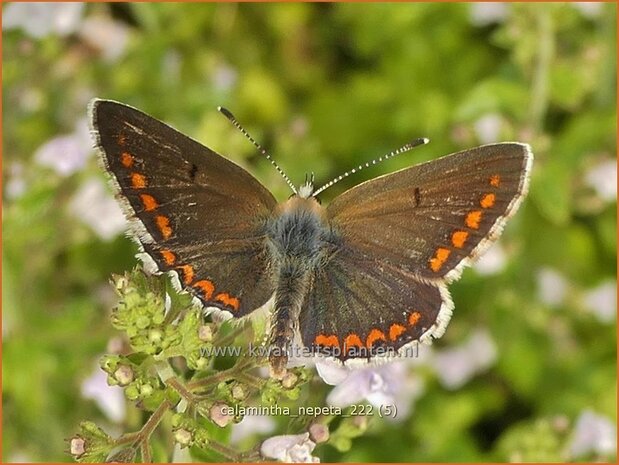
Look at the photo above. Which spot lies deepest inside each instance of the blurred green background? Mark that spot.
(325, 87)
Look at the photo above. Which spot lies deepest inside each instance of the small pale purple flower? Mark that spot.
(110, 399)
(41, 19)
(492, 262)
(96, 207)
(488, 128)
(455, 367)
(595, 434)
(66, 154)
(602, 301)
(290, 448)
(15, 184)
(224, 77)
(484, 13)
(552, 287)
(106, 35)
(588, 9)
(603, 179)
(382, 385)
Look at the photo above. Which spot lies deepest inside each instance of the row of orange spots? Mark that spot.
(149, 202)
(228, 300)
(206, 287)
(354, 340)
(127, 159)
(187, 274)
(440, 257)
(458, 238)
(163, 223)
(472, 220)
(139, 181)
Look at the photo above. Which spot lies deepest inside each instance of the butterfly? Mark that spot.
(361, 279)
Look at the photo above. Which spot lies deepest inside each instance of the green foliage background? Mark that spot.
(326, 87)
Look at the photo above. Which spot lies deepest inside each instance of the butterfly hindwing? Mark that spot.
(434, 218)
(193, 211)
(358, 308)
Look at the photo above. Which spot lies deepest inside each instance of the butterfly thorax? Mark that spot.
(298, 232)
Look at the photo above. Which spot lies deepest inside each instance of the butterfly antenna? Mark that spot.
(404, 148)
(233, 120)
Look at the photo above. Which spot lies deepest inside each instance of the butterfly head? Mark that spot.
(306, 189)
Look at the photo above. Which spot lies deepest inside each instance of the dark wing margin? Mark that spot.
(191, 210)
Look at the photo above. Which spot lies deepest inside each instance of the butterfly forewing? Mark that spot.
(433, 218)
(194, 212)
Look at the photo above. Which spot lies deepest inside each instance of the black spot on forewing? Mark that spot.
(417, 195)
(193, 171)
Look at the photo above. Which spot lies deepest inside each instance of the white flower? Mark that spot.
(492, 262)
(588, 9)
(290, 448)
(110, 399)
(107, 36)
(15, 184)
(488, 128)
(603, 179)
(250, 425)
(552, 287)
(44, 18)
(484, 13)
(224, 77)
(382, 385)
(602, 301)
(97, 208)
(66, 154)
(593, 434)
(454, 367)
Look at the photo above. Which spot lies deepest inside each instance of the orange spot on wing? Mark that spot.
(163, 223)
(188, 274)
(149, 202)
(414, 318)
(352, 340)
(168, 257)
(228, 300)
(458, 238)
(495, 180)
(206, 287)
(122, 139)
(138, 181)
(126, 159)
(375, 335)
(323, 340)
(487, 200)
(473, 219)
(440, 257)
(395, 331)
